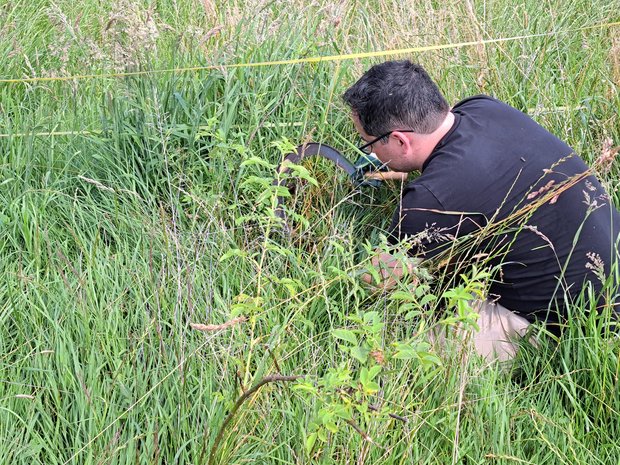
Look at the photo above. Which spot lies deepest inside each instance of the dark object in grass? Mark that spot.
(356, 171)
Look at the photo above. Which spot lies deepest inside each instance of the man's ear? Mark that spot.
(402, 139)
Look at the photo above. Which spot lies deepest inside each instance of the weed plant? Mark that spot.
(134, 206)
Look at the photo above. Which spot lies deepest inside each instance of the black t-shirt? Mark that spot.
(484, 177)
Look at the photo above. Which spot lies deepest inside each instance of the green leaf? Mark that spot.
(402, 296)
(280, 250)
(292, 285)
(405, 352)
(338, 272)
(343, 411)
(258, 161)
(364, 376)
(371, 317)
(360, 353)
(366, 379)
(423, 346)
(179, 98)
(376, 278)
(421, 289)
(300, 172)
(427, 299)
(310, 440)
(305, 386)
(345, 334)
(283, 145)
(263, 183)
(412, 314)
(280, 191)
(373, 372)
(337, 246)
(232, 253)
(331, 426)
(429, 360)
(371, 387)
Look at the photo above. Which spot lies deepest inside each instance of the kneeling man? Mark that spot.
(532, 207)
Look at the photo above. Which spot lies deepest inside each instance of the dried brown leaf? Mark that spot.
(228, 324)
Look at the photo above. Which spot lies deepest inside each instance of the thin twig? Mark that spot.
(273, 358)
(361, 432)
(392, 415)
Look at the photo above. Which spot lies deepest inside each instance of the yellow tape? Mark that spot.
(327, 58)
(319, 59)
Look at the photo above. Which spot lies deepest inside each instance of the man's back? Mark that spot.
(492, 167)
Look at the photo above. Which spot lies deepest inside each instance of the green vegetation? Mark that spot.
(154, 212)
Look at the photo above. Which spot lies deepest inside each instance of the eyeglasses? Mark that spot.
(366, 148)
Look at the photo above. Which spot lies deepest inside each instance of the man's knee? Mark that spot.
(497, 338)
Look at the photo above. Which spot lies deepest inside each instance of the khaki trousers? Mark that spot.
(497, 339)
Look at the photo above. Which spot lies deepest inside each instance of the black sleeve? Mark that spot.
(421, 219)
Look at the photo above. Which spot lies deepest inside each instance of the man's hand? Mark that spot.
(390, 270)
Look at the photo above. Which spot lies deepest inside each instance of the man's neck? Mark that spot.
(429, 141)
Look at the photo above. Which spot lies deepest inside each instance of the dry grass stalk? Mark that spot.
(614, 55)
(96, 183)
(542, 190)
(228, 324)
(209, 7)
(480, 50)
(607, 156)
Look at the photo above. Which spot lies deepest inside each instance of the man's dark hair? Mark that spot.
(397, 95)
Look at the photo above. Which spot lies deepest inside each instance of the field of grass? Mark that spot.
(135, 205)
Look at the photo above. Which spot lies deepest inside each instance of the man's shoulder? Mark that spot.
(482, 101)
(480, 98)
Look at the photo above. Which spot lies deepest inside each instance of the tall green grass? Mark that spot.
(117, 237)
